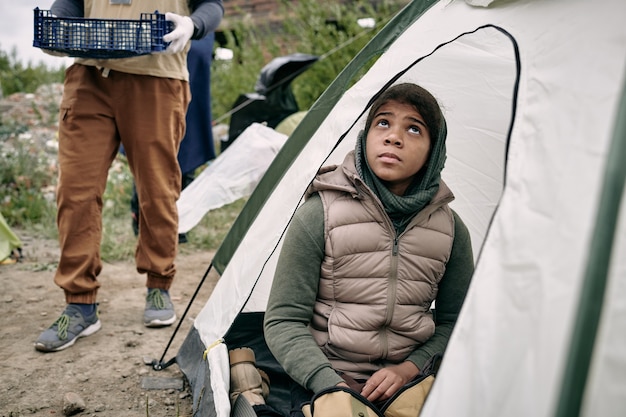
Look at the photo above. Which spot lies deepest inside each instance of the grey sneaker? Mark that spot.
(66, 329)
(159, 310)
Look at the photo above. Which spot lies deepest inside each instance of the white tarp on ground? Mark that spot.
(233, 174)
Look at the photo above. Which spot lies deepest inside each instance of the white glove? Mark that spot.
(183, 30)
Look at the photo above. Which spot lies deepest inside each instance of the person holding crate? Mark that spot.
(139, 102)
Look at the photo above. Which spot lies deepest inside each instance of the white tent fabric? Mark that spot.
(530, 92)
(231, 176)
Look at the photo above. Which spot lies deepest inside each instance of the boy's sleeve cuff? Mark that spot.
(324, 378)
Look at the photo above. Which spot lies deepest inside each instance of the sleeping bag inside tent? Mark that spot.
(531, 93)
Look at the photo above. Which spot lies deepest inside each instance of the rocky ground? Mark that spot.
(103, 374)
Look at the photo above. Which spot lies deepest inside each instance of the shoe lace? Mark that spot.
(156, 300)
(62, 323)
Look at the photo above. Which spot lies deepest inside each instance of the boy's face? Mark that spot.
(397, 145)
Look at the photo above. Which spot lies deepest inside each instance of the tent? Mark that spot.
(533, 93)
(10, 244)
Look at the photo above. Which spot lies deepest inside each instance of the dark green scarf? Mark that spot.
(401, 209)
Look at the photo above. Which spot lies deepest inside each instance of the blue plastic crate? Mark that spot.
(101, 38)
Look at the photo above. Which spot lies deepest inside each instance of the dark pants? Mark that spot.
(299, 396)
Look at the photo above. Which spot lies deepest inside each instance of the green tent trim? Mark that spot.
(596, 274)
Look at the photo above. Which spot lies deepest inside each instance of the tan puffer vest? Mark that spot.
(375, 292)
(156, 64)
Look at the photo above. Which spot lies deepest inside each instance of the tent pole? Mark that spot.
(596, 273)
(159, 365)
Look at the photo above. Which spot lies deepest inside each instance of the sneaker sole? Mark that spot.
(86, 332)
(160, 323)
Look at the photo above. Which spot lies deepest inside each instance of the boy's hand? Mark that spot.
(387, 381)
(183, 30)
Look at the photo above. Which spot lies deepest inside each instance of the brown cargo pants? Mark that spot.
(147, 115)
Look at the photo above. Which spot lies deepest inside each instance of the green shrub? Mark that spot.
(27, 177)
(16, 78)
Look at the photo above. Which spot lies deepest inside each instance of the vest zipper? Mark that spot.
(391, 296)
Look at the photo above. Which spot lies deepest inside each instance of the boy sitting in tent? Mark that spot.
(373, 245)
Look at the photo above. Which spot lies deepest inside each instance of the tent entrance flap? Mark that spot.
(476, 144)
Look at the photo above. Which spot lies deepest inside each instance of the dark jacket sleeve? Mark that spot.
(450, 296)
(68, 8)
(206, 16)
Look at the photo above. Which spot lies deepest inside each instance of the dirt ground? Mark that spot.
(106, 370)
